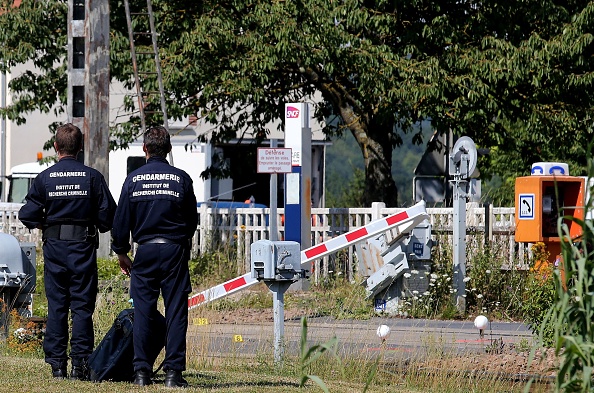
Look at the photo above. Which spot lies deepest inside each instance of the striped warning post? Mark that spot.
(403, 221)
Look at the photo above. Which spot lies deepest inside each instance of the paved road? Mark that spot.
(408, 337)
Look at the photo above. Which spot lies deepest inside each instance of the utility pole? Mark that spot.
(3, 137)
(88, 84)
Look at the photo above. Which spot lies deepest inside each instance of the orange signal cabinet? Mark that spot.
(540, 201)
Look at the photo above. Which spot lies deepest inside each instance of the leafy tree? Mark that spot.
(345, 174)
(34, 32)
(515, 76)
(351, 194)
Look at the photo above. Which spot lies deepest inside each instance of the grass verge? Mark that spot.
(33, 375)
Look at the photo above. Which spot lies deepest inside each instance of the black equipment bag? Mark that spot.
(112, 359)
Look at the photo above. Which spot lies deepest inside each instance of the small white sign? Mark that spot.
(274, 160)
(293, 191)
(526, 206)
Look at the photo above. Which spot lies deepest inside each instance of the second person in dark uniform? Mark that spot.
(158, 206)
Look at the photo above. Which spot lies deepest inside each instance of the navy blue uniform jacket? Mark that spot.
(69, 192)
(157, 200)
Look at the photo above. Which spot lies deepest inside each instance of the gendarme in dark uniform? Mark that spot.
(158, 206)
(70, 202)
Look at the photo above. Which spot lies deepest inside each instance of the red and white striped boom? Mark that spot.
(404, 222)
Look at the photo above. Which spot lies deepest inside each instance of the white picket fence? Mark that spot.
(237, 229)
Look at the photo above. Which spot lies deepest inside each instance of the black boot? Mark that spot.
(173, 379)
(143, 378)
(80, 372)
(59, 372)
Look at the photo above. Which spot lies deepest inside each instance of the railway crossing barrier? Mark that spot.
(400, 224)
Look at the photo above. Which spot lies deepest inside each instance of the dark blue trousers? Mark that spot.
(160, 268)
(70, 277)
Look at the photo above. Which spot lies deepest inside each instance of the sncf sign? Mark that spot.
(292, 112)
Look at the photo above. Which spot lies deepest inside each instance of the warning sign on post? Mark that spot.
(274, 160)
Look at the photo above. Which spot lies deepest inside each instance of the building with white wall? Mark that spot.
(23, 143)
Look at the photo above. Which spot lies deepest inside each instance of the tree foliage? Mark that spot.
(515, 76)
(34, 32)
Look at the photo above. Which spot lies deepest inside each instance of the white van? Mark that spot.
(192, 158)
(21, 177)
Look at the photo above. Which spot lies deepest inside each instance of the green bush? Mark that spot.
(437, 302)
(213, 267)
(108, 268)
(494, 287)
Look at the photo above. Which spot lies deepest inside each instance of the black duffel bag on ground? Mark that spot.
(112, 359)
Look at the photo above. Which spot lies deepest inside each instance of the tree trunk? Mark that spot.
(374, 140)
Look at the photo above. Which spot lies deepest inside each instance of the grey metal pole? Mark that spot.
(278, 289)
(460, 243)
(278, 305)
(273, 219)
(462, 163)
